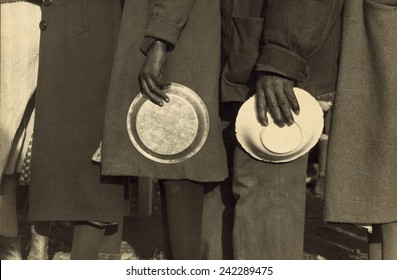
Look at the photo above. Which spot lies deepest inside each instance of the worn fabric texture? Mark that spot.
(269, 216)
(295, 39)
(192, 30)
(266, 205)
(361, 170)
(76, 55)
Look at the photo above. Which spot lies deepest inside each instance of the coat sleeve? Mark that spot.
(167, 21)
(293, 32)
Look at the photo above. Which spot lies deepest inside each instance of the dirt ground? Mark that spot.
(145, 235)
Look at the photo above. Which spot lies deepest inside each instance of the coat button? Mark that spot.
(43, 25)
(47, 2)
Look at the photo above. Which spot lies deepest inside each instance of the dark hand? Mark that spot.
(275, 93)
(150, 79)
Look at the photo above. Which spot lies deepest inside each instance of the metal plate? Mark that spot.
(171, 133)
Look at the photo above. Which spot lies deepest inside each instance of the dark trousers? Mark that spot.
(270, 208)
(259, 212)
(262, 217)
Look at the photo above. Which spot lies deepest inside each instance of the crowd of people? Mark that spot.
(71, 68)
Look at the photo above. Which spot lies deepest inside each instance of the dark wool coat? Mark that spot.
(361, 185)
(77, 46)
(296, 39)
(193, 27)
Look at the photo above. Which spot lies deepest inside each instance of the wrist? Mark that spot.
(153, 44)
(159, 45)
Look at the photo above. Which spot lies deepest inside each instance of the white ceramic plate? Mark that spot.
(274, 144)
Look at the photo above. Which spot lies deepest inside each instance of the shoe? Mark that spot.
(158, 255)
(127, 252)
(103, 256)
(319, 187)
(39, 246)
(10, 248)
(61, 256)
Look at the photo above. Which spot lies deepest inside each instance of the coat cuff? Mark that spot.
(148, 42)
(164, 30)
(281, 61)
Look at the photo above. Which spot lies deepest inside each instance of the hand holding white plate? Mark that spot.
(275, 144)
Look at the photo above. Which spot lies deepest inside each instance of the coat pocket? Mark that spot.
(382, 4)
(243, 51)
(380, 19)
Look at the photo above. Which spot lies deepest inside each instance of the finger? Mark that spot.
(145, 90)
(261, 107)
(164, 84)
(289, 92)
(273, 106)
(284, 106)
(152, 82)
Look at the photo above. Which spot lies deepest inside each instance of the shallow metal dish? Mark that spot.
(172, 133)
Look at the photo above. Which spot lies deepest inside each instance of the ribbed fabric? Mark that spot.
(9, 1)
(20, 36)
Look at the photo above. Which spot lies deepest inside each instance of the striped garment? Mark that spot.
(20, 37)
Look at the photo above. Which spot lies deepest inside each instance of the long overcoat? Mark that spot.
(193, 27)
(362, 167)
(76, 54)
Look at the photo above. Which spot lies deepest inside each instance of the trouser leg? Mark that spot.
(87, 240)
(375, 243)
(92, 242)
(217, 227)
(9, 239)
(270, 208)
(389, 241)
(184, 207)
(8, 206)
(112, 239)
